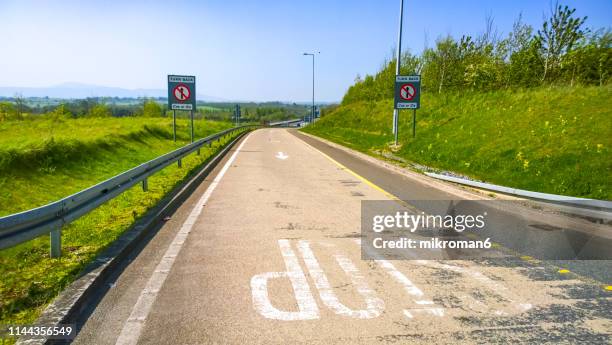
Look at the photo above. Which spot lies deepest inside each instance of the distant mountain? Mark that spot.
(77, 90)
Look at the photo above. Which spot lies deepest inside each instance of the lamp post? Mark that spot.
(397, 68)
(312, 110)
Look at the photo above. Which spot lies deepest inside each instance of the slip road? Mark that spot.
(267, 251)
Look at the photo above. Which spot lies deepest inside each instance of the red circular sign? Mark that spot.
(407, 92)
(181, 92)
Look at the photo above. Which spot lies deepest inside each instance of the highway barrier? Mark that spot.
(285, 123)
(590, 207)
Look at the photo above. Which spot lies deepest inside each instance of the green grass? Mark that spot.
(553, 140)
(39, 164)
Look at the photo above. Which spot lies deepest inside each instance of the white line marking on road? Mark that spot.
(281, 155)
(408, 285)
(307, 305)
(374, 305)
(424, 302)
(493, 285)
(135, 323)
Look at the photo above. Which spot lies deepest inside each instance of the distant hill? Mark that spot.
(77, 90)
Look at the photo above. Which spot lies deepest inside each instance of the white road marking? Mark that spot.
(493, 285)
(135, 323)
(476, 275)
(408, 314)
(307, 305)
(374, 305)
(408, 285)
(281, 155)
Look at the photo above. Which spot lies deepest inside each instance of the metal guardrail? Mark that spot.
(284, 123)
(49, 219)
(602, 205)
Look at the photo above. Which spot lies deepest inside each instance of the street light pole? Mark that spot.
(312, 110)
(397, 69)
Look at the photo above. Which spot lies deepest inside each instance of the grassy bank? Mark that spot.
(553, 140)
(42, 161)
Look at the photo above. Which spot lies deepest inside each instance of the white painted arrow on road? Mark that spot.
(281, 155)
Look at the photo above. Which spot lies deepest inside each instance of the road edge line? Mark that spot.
(132, 327)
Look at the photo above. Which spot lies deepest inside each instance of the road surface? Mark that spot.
(266, 251)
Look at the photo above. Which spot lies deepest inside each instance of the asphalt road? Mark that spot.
(266, 251)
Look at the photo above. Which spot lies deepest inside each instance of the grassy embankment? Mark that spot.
(42, 161)
(553, 140)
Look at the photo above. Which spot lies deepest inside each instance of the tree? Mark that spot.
(521, 36)
(439, 63)
(151, 109)
(7, 111)
(60, 112)
(57, 116)
(19, 105)
(591, 61)
(558, 35)
(526, 65)
(99, 110)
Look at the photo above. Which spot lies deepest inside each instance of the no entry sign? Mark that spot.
(407, 92)
(181, 92)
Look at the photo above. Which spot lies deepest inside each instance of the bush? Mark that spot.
(151, 109)
(99, 110)
(7, 111)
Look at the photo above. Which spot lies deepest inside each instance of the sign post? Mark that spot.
(398, 60)
(174, 125)
(414, 123)
(181, 96)
(237, 114)
(192, 126)
(407, 96)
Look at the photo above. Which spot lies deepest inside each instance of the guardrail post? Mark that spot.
(145, 185)
(56, 243)
(180, 163)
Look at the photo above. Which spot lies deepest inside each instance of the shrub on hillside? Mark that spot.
(99, 110)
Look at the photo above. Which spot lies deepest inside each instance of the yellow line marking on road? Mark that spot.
(529, 259)
(472, 236)
(365, 180)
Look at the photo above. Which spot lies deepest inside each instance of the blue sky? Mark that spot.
(247, 50)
